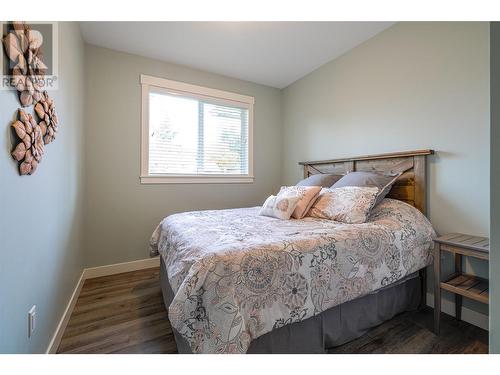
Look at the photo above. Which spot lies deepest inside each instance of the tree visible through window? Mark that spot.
(195, 134)
(190, 136)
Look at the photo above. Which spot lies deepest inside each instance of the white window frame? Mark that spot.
(149, 83)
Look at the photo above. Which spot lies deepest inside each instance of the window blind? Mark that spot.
(193, 136)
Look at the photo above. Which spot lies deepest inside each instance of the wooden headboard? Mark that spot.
(409, 187)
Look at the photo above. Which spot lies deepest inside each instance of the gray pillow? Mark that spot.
(382, 181)
(320, 179)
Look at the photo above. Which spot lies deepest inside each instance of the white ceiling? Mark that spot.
(270, 53)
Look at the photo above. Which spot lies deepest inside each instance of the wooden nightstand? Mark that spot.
(462, 284)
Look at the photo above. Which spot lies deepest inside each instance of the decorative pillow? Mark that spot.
(279, 207)
(307, 196)
(320, 179)
(382, 181)
(349, 204)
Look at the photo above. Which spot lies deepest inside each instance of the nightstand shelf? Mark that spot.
(469, 286)
(459, 283)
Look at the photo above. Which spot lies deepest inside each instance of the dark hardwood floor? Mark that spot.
(411, 333)
(121, 313)
(124, 313)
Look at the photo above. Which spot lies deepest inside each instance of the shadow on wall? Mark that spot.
(9, 135)
(439, 190)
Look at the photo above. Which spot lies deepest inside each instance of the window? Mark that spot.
(194, 134)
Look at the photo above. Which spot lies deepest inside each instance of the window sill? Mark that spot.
(196, 179)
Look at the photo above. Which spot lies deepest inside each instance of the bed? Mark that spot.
(237, 282)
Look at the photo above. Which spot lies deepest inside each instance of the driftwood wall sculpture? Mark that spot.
(23, 47)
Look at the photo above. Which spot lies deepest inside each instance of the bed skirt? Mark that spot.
(332, 327)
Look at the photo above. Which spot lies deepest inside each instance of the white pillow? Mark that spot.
(280, 207)
(349, 204)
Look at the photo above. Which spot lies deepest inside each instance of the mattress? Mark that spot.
(236, 276)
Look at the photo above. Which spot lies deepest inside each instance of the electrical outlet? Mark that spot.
(31, 321)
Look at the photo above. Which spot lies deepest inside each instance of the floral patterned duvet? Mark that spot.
(237, 275)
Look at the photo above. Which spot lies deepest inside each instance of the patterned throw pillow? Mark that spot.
(307, 196)
(349, 204)
(279, 207)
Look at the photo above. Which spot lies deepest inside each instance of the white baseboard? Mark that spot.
(91, 273)
(56, 339)
(112, 269)
(468, 315)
